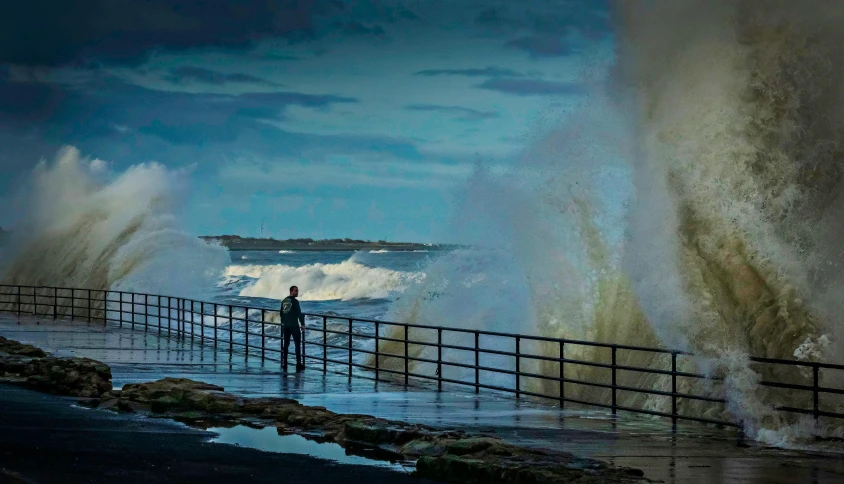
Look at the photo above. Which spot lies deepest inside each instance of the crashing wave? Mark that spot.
(321, 282)
(84, 226)
(698, 206)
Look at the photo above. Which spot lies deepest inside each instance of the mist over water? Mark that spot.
(694, 203)
(83, 226)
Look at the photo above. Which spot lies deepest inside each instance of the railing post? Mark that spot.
(89, 305)
(562, 374)
(815, 390)
(120, 294)
(19, 300)
(202, 323)
(350, 347)
(158, 312)
(377, 354)
(406, 355)
(304, 347)
(613, 379)
(215, 329)
(518, 367)
(169, 315)
(170, 310)
(674, 390)
(263, 334)
(325, 346)
(231, 333)
(73, 305)
(192, 319)
(146, 313)
(55, 303)
(246, 335)
(439, 359)
(477, 362)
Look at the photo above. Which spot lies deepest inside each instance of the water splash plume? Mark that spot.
(83, 226)
(694, 202)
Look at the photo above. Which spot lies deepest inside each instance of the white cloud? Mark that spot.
(344, 173)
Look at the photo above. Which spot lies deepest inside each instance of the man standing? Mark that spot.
(293, 324)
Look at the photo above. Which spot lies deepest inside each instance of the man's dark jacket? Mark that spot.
(291, 313)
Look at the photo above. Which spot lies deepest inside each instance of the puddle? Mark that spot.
(268, 439)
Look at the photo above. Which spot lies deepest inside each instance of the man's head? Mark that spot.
(294, 291)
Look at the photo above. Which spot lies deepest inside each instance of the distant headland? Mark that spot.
(236, 242)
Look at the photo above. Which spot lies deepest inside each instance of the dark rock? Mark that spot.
(472, 445)
(133, 407)
(420, 447)
(13, 366)
(108, 404)
(13, 347)
(267, 407)
(79, 377)
(378, 431)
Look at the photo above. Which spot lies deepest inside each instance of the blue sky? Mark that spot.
(318, 118)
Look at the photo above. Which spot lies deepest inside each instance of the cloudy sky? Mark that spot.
(320, 118)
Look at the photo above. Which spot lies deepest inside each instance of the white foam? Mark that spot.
(321, 282)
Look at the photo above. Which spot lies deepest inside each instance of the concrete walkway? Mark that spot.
(694, 453)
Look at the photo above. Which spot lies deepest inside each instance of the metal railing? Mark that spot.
(553, 368)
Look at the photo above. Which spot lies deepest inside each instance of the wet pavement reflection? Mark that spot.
(692, 453)
(269, 440)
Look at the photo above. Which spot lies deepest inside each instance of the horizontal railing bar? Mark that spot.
(184, 312)
(820, 413)
(505, 335)
(778, 361)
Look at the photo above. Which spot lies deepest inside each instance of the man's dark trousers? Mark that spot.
(296, 333)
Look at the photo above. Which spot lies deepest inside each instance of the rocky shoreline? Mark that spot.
(450, 456)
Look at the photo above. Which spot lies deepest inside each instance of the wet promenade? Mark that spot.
(694, 453)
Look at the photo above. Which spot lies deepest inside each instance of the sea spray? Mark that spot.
(696, 204)
(739, 113)
(86, 227)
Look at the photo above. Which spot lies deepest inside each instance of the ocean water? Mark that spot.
(362, 284)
